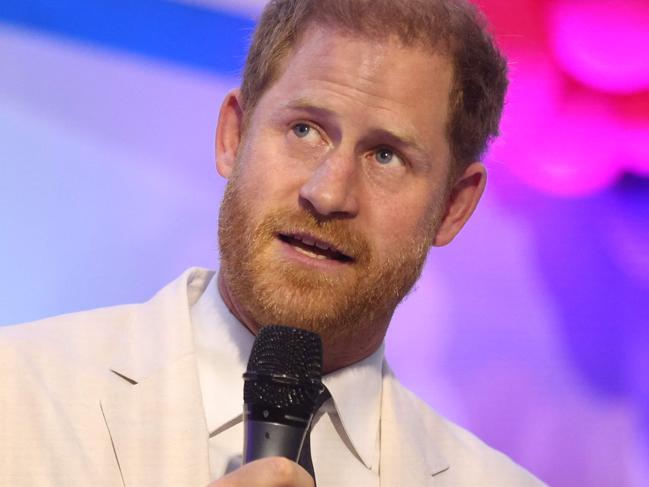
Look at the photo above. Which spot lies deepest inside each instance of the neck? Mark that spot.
(335, 355)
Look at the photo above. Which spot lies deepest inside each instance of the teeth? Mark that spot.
(310, 254)
(312, 242)
(306, 240)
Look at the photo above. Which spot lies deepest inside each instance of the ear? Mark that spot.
(228, 133)
(463, 199)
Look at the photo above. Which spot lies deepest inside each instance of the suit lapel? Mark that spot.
(407, 458)
(157, 429)
(153, 409)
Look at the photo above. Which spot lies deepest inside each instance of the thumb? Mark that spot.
(267, 472)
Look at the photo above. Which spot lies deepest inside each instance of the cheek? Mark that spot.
(399, 224)
(386, 228)
(267, 177)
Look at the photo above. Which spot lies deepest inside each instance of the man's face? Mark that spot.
(338, 186)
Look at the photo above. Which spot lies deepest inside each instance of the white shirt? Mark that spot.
(345, 435)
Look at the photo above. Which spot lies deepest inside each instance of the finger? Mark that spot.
(267, 472)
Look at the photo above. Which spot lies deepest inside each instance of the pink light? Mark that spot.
(575, 157)
(568, 148)
(603, 44)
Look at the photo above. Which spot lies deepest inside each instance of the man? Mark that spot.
(351, 148)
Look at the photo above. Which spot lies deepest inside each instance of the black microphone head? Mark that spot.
(284, 369)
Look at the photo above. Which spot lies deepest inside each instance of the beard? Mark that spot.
(346, 306)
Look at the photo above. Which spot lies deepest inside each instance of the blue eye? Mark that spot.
(301, 130)
(384, 156)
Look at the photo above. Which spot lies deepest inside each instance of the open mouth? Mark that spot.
(317, 249)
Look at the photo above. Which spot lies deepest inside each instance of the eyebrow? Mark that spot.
(308, 106)
(395, 138)
(391, 137)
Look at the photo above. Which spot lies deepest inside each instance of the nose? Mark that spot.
(331, 189)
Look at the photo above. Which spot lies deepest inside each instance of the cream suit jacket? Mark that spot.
(111, 398)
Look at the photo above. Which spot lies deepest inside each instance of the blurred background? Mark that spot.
(531, 329)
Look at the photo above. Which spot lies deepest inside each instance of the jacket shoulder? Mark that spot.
(53, 374)
(76, 337)
(90, 336)
(470, 460)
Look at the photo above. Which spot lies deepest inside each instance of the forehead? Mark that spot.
(408, 85)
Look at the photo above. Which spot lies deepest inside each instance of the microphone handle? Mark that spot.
(267, 439)
(270, 439)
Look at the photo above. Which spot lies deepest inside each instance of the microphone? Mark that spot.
(282, 391)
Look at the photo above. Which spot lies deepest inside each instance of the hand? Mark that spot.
(267, 472)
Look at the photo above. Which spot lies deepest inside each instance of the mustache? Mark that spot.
(335, 233)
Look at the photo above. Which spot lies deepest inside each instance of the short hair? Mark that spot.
(453, 27)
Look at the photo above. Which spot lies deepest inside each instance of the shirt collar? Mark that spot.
(356, 393)
(223, 346)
